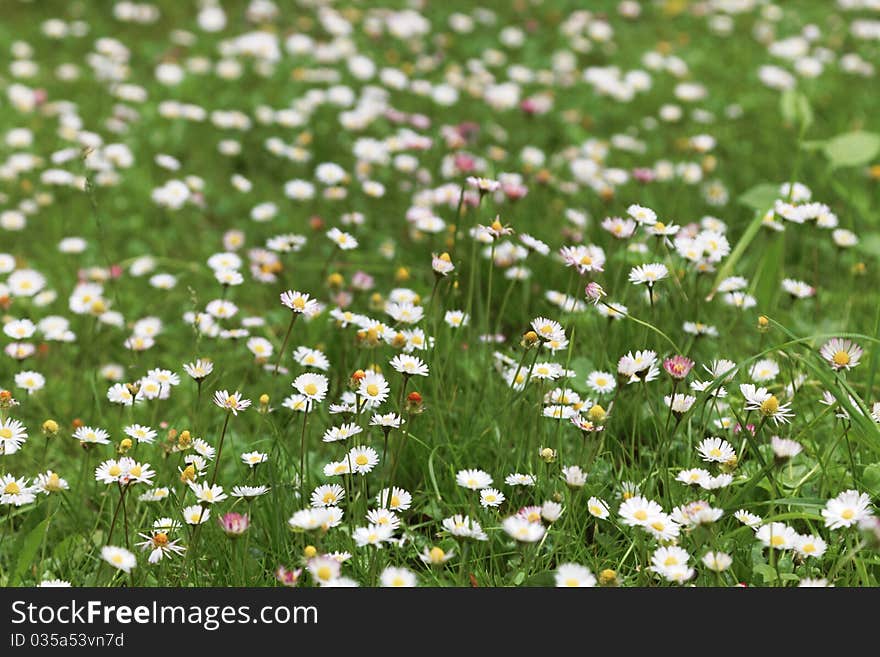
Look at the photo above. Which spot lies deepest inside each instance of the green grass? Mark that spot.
(470, 417)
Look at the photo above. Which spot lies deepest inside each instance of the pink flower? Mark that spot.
(643, 175)
(287, 577)
(234, 524)
(678, 367)
(594, 292)
(514, 191)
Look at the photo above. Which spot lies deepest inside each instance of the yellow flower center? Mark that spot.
(641, 514)
(114, 470)
(310, 389)
(595, 510)
(116, 559)
(586, 260)
(714, 452)
(298, 303)
(160, 539)
(659, 226)
(5, 433)
(840, 358)
(325, 573)
(329, 498)
(395, 501)
(12, 489)
(135, 471)
(670, 561)
(777, 541)
(372, 390)
(659, 526)
(770, 405)
(808, 548)
(361, 459)
(436, 554)
(847, 514)
(571, 581)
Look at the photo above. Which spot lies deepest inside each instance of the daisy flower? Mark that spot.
(785, 448)
(398, 577)
(311, 358)
(522, 529)
(252, 459)
(638, 511)
(16, 492)
(598, 508)
(517, 479)
(231, 401)
(200, 369)
(90, 436)
(342, 432)
(642, 215)
(207, 493)
(249, 492)
(327, 495)
(716, 450)
(383, 517)
(777, 535)
(409, 365)
(323, 569)
(374, 535)
(490, 497)
(311, 386)
(847, 509)
(435, 556)
(648, 274)
(601, 382)
(49, 482)
(299, 302)
(387, 421)
(748, 519)
(759, 399)
(396, 499)
(13, 435)
(717, 561)
(693, 476)
(841, 354)
(584, 258)
(140, 433)
(671, 563)
(464, 527)
(574, 575)
(160, 545)
(119, 558)
(473, 479)
(373, 388)
(362, 459)
(574, 476)
(196, 514)
(810, 546)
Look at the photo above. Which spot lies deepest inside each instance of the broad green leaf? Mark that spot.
(766, 571)
(760, 197)
(27, 550)
(852, 149)
(796, 108)
(765, 284)
(871, 479)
